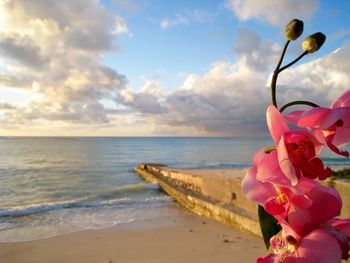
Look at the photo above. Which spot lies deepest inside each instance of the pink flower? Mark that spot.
(266, 184)
(331, 125)
(296, 150)
(326, 204)
(319, 246)
(322, 245)
(307, 204)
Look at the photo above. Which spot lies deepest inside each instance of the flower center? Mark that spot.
(282, 198)
(300, 151)
(282, 248)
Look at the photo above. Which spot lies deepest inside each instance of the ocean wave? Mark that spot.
(106, 198)
(27, 210)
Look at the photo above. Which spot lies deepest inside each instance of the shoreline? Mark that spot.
(183, 238)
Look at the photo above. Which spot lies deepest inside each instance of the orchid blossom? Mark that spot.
(296, 150)
(317, 247)
(326, 244)
(281, 199)
(282, 178)
(331, 125)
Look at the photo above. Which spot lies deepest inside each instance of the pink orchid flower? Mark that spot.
(296, 150)
(266, 184)
(331, 125)
(319, 246)
(308, 203)
(322, 245)
(326, 204)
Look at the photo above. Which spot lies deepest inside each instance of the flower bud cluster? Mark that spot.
(294, 30)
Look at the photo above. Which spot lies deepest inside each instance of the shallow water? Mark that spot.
(51, 186)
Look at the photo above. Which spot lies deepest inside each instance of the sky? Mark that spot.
(161, 68)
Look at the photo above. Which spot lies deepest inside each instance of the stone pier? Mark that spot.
(217, 194)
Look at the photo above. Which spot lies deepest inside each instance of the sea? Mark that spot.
(52, 186)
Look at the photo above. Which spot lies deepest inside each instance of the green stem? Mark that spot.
(293, 62)
(298, 102)
(275, 74)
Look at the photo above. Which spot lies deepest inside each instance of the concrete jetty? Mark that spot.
(212, 193)
(217, 194)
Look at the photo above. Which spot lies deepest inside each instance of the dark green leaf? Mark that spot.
(268, 224)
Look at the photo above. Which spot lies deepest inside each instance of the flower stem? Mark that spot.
(293, 62)
(275, 75)
(298, 102)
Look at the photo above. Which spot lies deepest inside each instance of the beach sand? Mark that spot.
(182, 238)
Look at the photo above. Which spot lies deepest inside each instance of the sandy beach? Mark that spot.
(182, 238)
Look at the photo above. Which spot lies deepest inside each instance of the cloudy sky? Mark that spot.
(161, 68)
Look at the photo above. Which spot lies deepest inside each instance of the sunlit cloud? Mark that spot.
(258, 54)
(54, 50)
(229, 98)
(146, 101)
(51, 52)
(121, 27)
(276, 13)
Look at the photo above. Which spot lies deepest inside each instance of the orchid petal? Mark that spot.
(287, 230)
(285, 164)
(316, 118)
(259, 156)
(319, 135)
(342, 136)
(305, 185)
(294, 116)
(255, 190)
(273, 207)
(343, 100)
(321, 118)
(276, 123)
(270, 258)
(267, 166)
(315, 169)
(332, 147)
(326, 205)
(317, 247)
(309, 136)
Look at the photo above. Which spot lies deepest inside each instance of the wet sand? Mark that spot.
(183, 238)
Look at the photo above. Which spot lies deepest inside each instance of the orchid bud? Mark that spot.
(294, 29)
(314, 42)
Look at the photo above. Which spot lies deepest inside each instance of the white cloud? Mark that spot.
(53, 49)
(320, 81)
(276, 13)
(146, 101)
(230, 99)
(225, 101)
(121, 27)
(170, 22)
(259, 54)
(7, 106)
